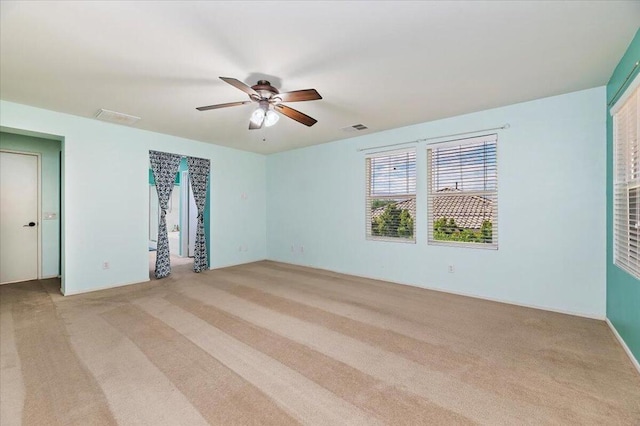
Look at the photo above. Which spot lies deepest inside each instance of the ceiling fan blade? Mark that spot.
(254, 126)
(230, 104)
(296, 115)
(240, 85)
(299, 95)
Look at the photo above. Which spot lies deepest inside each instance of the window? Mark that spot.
(391, 196)
(463, 192)
(626, 187)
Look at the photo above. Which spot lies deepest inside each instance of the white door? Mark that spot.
(18, 217)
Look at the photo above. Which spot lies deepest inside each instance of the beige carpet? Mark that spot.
(268, 343)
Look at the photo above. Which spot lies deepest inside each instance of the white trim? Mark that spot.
(184, 213)
(40, 248)
(457, 293)
(391, 152)
(463, 244)
(230, 265)
(393, 239)
(468, 140)
(633, 359)
(625, 95)
(17, 281)
(91, 290)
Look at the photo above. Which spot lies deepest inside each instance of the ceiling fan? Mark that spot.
(269, 100)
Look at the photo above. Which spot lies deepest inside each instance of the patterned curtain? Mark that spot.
(199, 175)
(165, 167)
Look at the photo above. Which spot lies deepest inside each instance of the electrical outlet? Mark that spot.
(451, 269)
(106, 265)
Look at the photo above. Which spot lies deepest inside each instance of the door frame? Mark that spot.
(39, 203)
(186, 195)
(207, 209)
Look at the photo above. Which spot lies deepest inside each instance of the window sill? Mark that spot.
(480, 246)
(392, 240)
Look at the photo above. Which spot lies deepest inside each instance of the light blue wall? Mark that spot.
(106, 196)
(623, 290)
(49, 151)
(551, 208)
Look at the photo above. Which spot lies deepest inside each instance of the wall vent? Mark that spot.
(116, 117)
(354, 128)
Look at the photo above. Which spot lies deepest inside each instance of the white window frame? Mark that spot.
(490, 194)
(626, 180)
(391, 196)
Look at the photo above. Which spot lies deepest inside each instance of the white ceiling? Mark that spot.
(382, 64)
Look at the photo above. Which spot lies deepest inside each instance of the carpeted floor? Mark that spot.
(275, 344)
(175, 261)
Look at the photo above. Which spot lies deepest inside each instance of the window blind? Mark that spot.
(626, 203)
(462, 203)
(391, 196)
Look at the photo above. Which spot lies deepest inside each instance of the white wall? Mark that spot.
(49, 151)
(104, 223)
(551, 174)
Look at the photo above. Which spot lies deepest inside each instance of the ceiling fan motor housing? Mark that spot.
(265, 89)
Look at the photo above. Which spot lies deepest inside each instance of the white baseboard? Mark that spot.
(48, 277)
(524, 305)
(633, 359)
(458, 293)
(229, 265)
(91, 290)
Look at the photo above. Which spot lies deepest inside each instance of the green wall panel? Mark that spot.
(623, 290)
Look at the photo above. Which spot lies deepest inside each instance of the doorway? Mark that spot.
(19, 221)
(48, 219)
(181, 218)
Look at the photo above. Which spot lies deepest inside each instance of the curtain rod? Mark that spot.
(624, 83)
(505, 126)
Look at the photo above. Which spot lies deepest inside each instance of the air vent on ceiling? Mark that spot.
(116, 117)
(354, 128)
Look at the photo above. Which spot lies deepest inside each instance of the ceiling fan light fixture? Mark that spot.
(271, 118)
(258, 116)
(270, 105)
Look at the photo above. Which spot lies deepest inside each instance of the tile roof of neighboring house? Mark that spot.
(409, 204)
(469, 211)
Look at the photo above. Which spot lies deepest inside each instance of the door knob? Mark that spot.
(30, 224)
